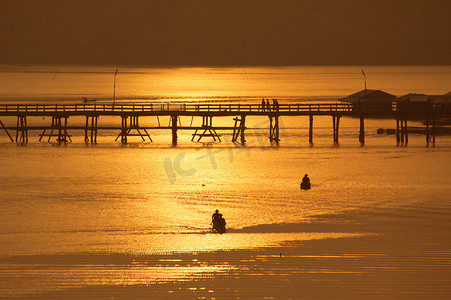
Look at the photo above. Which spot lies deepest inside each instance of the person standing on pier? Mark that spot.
(276, 104)
(263, 104)
(268, 108)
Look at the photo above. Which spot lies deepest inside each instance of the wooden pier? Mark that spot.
(130, 114)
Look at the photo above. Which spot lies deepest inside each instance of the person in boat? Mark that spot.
(218, 221)
(306, 180)
(216, 216)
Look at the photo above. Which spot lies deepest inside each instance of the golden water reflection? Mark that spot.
(191, 257)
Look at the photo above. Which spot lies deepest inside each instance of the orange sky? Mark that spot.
(225, 32)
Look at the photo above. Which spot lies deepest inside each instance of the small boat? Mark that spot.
(305, 185)
(219, 225)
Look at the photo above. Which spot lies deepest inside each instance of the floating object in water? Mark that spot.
(305, 185)
(219, 224)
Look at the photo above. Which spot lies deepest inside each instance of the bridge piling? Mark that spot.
(274, 128)
(6, 130)
(362, 130)
(91, 129)
(174, 129)
(336, 124)
(22, 128)
(238, 129)
(310, 132)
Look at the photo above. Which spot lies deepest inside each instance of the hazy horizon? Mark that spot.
(225, 33)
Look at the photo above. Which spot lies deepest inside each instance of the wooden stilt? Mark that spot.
(6, 130)
(398, 139)
(402, 130)
(59, 124)
(433, 129)
(94, 121)
(310, 133)
(17, 129)
(362, 129)
(274, 128)
(406, 132)
(127, 127)
(238, 129)
(336, 124)
(243, 127)
(124, 130)
(174, 129)
(208, 130)
(86, 129)
(91, 129)
(21, 129)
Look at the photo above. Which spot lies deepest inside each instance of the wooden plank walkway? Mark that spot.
(175, 108)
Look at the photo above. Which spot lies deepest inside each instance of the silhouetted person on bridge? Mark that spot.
(275, 104)
(263, 104)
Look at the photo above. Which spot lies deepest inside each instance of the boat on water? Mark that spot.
(305, 185)
(219, 225)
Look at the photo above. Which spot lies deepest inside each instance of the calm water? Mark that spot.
(133, 221)
(224, 84)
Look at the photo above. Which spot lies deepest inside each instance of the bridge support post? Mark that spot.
(207, 127)
(238, 129)
(310, 132)
(59, 123)
(336, 121)
(398, 138)
(362, 130)
(126, 129)
(433, 129)
(174, 129)
(405, 130)
(6, 130)
(91, 129)
(274, 128)
(21, 129)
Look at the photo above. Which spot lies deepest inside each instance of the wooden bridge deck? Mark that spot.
(185, 109)
(130, 112)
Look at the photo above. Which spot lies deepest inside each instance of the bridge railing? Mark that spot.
(216, 107)
(188, 107)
